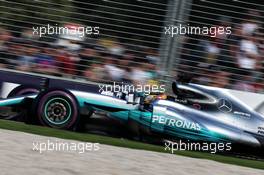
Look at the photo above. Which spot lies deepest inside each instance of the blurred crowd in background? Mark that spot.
(103, 60)
(233, 61)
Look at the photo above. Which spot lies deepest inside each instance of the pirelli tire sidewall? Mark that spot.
(68, 109)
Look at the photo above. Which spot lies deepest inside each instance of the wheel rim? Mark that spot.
(57, 111)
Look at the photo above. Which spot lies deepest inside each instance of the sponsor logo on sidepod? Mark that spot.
(176, 122)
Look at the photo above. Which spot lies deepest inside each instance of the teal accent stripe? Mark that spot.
(14, 101)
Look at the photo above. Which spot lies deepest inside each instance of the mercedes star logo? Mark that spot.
(224, 105)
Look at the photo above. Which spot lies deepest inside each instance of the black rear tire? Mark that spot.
(56, 108)
(22, 111)
(23, 90)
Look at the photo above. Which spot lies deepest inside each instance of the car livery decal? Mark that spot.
(175, 122)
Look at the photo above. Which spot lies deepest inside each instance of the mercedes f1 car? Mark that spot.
(194, 112)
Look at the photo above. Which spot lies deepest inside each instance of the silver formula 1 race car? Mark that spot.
(194, 112)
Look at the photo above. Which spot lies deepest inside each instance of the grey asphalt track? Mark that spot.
(18, 157)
